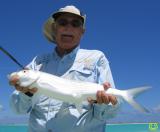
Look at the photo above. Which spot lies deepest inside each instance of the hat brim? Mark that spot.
(57, 14)
(48, 30)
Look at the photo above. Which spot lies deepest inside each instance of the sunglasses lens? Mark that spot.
(73, 23)
(62, 22)
(76, 23)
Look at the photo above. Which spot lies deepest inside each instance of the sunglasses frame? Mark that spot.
(74, 23)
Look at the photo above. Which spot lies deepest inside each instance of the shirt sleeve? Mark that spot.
(20, 103)
(105, 111)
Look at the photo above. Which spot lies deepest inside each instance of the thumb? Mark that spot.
(91, 101)
(106, 85)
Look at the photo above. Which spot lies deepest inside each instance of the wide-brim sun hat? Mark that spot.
(48, 28)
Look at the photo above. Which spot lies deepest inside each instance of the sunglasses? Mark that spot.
(74, 23)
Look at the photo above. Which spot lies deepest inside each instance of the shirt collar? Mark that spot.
(70, 55)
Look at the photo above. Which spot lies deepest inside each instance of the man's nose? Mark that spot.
(13, 80)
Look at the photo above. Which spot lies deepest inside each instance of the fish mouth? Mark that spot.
(13, 79)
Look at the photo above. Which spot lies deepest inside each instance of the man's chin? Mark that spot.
(68, 46)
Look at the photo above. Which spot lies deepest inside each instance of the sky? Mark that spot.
(128, 32)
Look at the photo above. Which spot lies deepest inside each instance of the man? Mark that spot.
(65, 28)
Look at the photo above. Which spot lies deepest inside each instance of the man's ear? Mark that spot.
(54, 30)
(53, 26)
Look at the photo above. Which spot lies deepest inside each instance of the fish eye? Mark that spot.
(24, 71)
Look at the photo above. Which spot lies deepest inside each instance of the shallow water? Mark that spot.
(136, 127)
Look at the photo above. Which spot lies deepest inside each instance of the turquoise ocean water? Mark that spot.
(13, 128)
(136, 127)
(154, 127)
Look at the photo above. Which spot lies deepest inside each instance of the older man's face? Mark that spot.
(69, 29)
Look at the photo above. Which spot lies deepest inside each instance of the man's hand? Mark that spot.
(102, 97)
(14, 81)
(25, 89)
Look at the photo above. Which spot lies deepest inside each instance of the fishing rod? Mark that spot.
(11, 57)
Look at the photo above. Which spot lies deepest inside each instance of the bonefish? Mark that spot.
(71, 91)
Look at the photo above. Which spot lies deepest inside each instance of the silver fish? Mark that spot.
(69, 90)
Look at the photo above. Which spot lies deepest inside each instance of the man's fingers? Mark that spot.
(91, 101)
(106, 99)
(102, 97)
(21, 89)
(113, 99)
(99, 97)
(33, 90)
(25, 89)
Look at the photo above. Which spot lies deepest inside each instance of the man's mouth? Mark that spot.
(67, 37)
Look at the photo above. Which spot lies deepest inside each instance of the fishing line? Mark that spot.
(11, 57)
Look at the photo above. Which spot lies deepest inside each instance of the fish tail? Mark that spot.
(130, 94)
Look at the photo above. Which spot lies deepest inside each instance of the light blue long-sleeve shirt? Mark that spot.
(50, 115)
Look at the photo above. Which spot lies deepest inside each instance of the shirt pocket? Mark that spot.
(80, 73)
